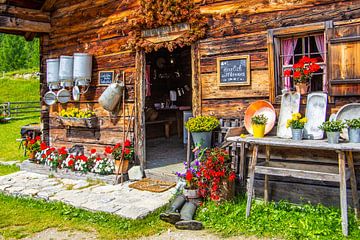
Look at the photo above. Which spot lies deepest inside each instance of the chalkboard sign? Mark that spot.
(233, 71)
(106, 77)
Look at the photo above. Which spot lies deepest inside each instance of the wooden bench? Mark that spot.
(166, 122)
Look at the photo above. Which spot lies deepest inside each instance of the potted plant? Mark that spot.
(121, 153)
(296, 123)
(353, 130)
(201, 128)
(216, 178)
(258, 123)
(333, 130)
(190, 176)
(302, 72)
(32, 146)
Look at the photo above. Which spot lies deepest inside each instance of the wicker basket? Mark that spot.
(79, 122)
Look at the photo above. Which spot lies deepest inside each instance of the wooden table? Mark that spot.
(340, 174)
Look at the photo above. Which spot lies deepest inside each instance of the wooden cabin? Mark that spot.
(158, 53)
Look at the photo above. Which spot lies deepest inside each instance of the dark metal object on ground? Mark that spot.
(187, 213)
(172, 215)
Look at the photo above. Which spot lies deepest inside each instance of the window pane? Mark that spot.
(298, 50)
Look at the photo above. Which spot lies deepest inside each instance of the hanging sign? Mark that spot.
(106, 77)
(233, 71)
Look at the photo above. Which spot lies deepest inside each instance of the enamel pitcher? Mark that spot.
(111, 97)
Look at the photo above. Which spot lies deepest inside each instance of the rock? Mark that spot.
(135, 173)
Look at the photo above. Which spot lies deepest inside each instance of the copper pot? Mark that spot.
(257, 108)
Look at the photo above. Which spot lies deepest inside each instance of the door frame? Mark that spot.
(140, 131)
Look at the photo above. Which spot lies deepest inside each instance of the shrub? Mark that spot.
(202, 124)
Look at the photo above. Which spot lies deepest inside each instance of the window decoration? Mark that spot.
(293, 50)
(159, 17)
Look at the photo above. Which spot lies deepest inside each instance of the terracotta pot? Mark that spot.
(125, 166)
(302, 88)
(32, 155)
(259, 130)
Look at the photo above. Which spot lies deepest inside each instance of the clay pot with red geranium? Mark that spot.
(123, 154)
(32, 147)
(302, 72)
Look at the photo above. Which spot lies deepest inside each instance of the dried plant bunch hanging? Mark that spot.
(153, 14)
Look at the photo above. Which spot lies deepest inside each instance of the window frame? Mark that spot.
(275, 35)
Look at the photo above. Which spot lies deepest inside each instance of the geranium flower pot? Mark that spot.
(202, 138)
(333, 137)
(302, 88)
(297, 134)
(191, 193)
(354, 135)
(125, 166)
(258, 130)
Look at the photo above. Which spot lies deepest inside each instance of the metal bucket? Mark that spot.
(111, 97)
(297, 134)
(52, 73)
(66, 70)
(82, 68)
(202, 138)
(333, 137)
(354, 135)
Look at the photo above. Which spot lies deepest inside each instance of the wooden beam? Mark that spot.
(48, 5)
(24, 13)
(17, 24)
(29, 36)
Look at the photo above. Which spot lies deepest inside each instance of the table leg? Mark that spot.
(343, 199)
(251, 180)
(178, 124)
(266, 185)
(355, 196)
(242, 163)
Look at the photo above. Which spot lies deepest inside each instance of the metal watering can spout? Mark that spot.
(111, 97)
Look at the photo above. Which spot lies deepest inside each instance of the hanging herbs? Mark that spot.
(154, 13)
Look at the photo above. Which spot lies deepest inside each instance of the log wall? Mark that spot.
(100, 27)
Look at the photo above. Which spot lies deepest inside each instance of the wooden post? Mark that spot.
(242, 162)
(343, 199)
(355, 196)
(251, 180)
(266, 185)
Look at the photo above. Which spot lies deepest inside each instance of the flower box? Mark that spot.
(78, 122)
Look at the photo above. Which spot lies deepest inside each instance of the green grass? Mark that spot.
(9, 132)
(21, 217)
(5, 170)
(16, 89)
(19, 89)
(283, 220)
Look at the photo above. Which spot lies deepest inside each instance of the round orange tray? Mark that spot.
(260, 107)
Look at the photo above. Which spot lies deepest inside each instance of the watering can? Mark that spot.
(111, 97)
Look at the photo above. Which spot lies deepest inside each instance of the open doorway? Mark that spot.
(168, 101)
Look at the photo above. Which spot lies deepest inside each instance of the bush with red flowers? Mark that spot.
(32, 145)
(126, 150)
(303, 70)
(216, 176)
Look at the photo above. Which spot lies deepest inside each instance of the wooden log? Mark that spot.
(24, 13)
(18, 24)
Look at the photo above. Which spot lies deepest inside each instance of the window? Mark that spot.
(292, 49)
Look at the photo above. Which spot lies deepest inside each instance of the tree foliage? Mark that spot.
(17, 53)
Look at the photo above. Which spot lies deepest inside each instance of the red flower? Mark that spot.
(38, 138)
(127, 143)
(71, 162)
(83, 158)
(108, 150)
(298, 65)
(314, 67)
(98, 158)
(307, 72)
(127, 150)
(117, 146)
(43, 146)
(297, 74)
(188, 176)
(43, 156)
(232, 176)
(305, 60)
(93, 151)
(287, 73)
(62, 151)
(32, 141)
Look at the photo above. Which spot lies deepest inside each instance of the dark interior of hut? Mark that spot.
(168, 98)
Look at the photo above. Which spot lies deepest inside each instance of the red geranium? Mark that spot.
(71, 163)
(93, 151)
(108, 150)
(43, 146)
(127, 143)
(303, 70)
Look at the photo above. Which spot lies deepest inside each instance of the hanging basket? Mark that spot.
(78, 122)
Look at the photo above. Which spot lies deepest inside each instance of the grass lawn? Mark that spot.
(21, 217)
(5, 170)
(19, 89)
(9, 132)
(283, 220)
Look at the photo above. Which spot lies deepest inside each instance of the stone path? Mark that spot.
(117, 199)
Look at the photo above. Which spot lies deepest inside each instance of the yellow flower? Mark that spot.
(303, 120)
(296, 116)
(243, 135)
(288, 123)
